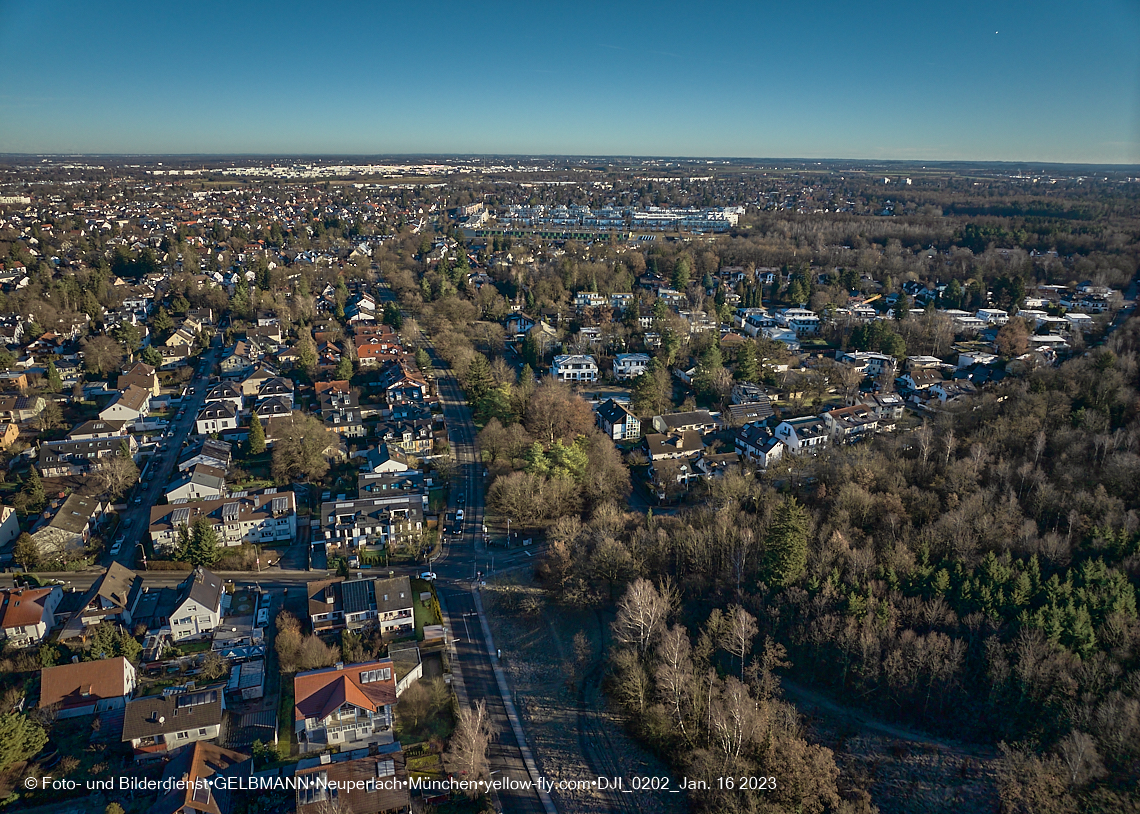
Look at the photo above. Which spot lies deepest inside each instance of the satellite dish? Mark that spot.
(162, 720)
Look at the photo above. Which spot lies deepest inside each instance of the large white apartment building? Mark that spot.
(574, 368)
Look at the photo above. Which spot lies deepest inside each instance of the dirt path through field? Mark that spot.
(905, 770)
(570, 726)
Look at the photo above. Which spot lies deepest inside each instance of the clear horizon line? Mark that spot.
(585, 156)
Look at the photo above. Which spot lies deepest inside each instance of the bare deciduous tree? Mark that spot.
(467, 752)
(739, 633)
(641, 615)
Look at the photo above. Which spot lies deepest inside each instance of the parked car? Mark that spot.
(116, 548)
(428, 575)
(459, 515)
(263, 617)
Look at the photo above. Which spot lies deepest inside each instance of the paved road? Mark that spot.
(136, 516)
(462, 558)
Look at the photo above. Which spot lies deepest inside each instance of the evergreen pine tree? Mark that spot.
(785, 555)
(682, 273)
(747, 369)
(536, 461)
(20, 738)
(478, 379)
(54, 380)
(203, 546)
(35, 498)
(256, 435)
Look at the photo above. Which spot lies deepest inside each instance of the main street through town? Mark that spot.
(135, 518)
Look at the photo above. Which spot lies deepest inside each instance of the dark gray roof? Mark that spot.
(218, 409)
(203, 586)
(75, 514)
(185, 711)
(613, 412)
(225, 390)
(398, 591)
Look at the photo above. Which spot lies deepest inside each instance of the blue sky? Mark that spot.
(1041, 81)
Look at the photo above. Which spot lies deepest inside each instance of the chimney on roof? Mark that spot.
(340, 665)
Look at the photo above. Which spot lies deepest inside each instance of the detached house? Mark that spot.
(87, 687)
(27, 615)
(158, 725)
(200, 482)
(888, 408)
(346, 705)
(140, 375)
(701, 421)
(921, 379)
(203, 774)
(18, 409)
(70, 528)
(371, 351)
(132, 404)
(850, 424)
(410, 436)
(96, 428)
(617, 421)
(176, 356)
(240, 360)
(208, 451)
(251, 384)
(199, 606)
(216, 417)
(113, 598)
(755, 442)
(630, 365)
(402, 384)
(808, 434)
(673, 445)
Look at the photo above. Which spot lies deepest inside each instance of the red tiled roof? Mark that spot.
(24, 607)
(83, 683)
(320, 693)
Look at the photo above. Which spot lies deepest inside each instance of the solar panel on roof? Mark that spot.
(230, 511)
(355, 595)
(194, 699)
(280, 504)
(179, 516)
